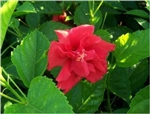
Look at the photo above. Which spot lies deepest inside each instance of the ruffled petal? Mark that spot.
(69, 83)
(62, 35)
(90, 40)
(64, 73)
(78, 33)
(56, 56)
(95, 76)
(107, 46)
(89, 54)
(80, 68)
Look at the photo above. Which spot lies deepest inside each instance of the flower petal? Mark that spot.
(95, 76)
(69, 83)
(62, 35)
(89, 55)
(56, 56)
(90, 40)
(107, 46)
(78, 33)
(64, 73)
(80, 68)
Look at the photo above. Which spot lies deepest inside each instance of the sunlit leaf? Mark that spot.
(6, 12)
(131, 48)
(43, 97)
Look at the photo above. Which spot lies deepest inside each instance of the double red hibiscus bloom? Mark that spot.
(81, 54)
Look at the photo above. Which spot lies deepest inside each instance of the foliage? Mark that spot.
(26, 33)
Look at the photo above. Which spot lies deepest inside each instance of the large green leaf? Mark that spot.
(139, 76)
(25, 8)
(6, 12)
(48, 7)
(143, 23)
(140, 103)
(137, 12)
(130, 48)
(103, 34)
(43, 97)
(82, 15)
(119, 84)
(30, 58)
(48, 29)
(86, 97)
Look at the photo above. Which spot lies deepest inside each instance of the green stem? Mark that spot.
(11, 89)
(98, 6)
(90, 9)
(10, 98)
(104, 20)
(8, 48)
(18, 88)
(108, 94)
(12, 32)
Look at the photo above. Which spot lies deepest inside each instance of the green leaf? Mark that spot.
(82, 15)
(139, 13)
(14, 23)
(55, 71)
(119, 84)
(6, 12)
(131, 48)
(115, 5)
(43, 97)
(86, 97)
(33, 20)
(25, 8)
(30, 56)
(120, 30)
(103, 34)
(143, 23)
(147, 4)
(139, 76)
(48, 7)
(140, 103)
(48, 29)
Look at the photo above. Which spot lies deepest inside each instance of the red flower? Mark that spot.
(60, 18)
(81, 54)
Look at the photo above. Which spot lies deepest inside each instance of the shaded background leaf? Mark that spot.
(140, 103)
(119, 84)
(86, 97)
(48, 29)
(25, 8)
(82, 15)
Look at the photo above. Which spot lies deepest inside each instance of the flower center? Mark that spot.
(81, 55)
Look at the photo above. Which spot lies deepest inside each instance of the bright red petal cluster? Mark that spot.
(81, 54)
(60, 18)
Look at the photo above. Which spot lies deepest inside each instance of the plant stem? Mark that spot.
(90, 9)
(15, 100)
(98, 6)
(104, 20)
(11, 89)
(18, 88)
(8, 48)
(108, 101)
